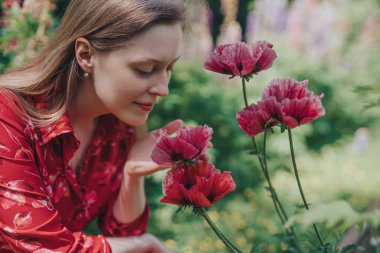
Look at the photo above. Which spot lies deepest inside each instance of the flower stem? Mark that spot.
(244, 93)
(279, 207)
(226, 242)
(276, 201)
(300, 186)
(282, 215)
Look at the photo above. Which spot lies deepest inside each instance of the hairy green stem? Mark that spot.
(226, 242)
(300, 186)
(282, 216)
(244, 93)
(276, 201)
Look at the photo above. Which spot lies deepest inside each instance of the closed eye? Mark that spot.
(144, 73)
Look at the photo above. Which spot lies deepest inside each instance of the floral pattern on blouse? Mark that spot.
(44, 205)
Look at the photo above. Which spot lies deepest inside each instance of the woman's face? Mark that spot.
(128, 81)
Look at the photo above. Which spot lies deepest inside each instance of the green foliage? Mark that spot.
(15, 36)
(361, 54)
(337, 101)
(349, 79)
(350, 247)
(5, 60)
(21, 29)
(334, 215)
(255, 249)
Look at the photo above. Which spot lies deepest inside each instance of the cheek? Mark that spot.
(119, 90)
(115, 83)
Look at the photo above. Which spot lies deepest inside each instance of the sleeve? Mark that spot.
(112, 227)
(28, 220)
(107, 222)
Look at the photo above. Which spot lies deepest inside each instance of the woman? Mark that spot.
(68, 148)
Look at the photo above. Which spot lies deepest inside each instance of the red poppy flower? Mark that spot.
(263, 51)
(298, 105)
(201, 185)
(255, 118)
(241, 60)
(284, 100)
(191, 143)
(286, 88)
(297, 112)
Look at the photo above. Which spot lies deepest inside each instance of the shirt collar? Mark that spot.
(58, 127)
(61, 126)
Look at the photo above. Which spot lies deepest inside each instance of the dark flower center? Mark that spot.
(257, 68)
(175, 156)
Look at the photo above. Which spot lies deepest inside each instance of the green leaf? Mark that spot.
(180, 208)
(300, 206)
(283, 128)
(332, 214)
(324, 249)
(255, 248)
(255, 153)
(350, 247)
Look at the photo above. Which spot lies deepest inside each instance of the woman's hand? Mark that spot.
(145, 243)
(139, 162)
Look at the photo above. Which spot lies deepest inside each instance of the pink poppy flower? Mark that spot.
(263, 51)
(255, 118)
(298, 105)
(297, 112)
(201, 185)
(191, 143)
(286, 88)
(284, 100)
(241, 60)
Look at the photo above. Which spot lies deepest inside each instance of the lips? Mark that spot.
(145, 106)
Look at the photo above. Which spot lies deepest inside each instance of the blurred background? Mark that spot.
(335, 44)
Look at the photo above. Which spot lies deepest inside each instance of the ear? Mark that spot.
(84, 54)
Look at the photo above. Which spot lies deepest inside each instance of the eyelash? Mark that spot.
(170, 68)
(143, 73)
(147, 74)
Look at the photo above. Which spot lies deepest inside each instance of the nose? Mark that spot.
(160, 85)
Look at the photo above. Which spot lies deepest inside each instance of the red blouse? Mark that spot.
(44, 205)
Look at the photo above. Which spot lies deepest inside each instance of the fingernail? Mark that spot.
(178, 122)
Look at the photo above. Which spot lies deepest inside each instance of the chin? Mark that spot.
(132, 118)
(135, 121)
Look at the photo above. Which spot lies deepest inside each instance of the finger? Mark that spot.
(137, 168)
(173, 126)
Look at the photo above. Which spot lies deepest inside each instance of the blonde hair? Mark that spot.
(54, 74)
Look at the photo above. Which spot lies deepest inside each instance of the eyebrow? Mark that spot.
(154, 60)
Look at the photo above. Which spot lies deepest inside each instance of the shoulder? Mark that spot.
(11, 111)
(7, 96)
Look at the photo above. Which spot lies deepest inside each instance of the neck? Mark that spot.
(85, 107)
